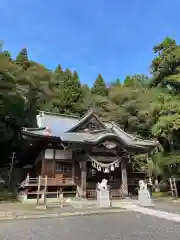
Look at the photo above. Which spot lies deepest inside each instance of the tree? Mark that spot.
(137, 81)
(22, 59)
(1, 46)
(38, 85)
(9, 86)
(8, 55)
(167, 63)
(69, 94)
(58, 76)
(115, 83)
(12, 115)
(99, 86)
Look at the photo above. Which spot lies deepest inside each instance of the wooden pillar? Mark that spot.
(124, 177)
(39, 188)
(42, 167)
(74, 167)
(45, 192)
(83, 166)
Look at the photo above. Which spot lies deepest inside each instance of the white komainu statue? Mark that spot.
(144, 197)
(142, 185)
(103, 198)
(102, 185)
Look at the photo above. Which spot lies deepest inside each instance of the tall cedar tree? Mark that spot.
(70, 93)
(58, 76)
(99, 87)
(22, 59)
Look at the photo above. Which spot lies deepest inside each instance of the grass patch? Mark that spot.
(160, 194)
(7, 197)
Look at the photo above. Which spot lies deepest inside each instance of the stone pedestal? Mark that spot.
(103, 199)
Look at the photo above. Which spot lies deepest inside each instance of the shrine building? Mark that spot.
(77, 153)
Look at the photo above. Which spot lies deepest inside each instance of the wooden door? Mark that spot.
(48, 168)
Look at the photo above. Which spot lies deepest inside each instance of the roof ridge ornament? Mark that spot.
(109, 145)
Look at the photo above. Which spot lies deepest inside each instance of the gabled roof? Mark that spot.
(85, 118)
(62, 127)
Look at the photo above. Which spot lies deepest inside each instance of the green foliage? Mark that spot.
(68, 92)
(1, 46)
(115, 83)
(58, 76)
(8, 55)
(99, 87)
(136, 81)
(166, 66)
(22, 59)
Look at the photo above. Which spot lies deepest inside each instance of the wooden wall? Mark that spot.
(49, 168)
(52, 157)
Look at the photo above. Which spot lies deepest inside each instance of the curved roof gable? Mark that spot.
(87, 117)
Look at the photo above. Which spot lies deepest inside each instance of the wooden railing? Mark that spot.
(91, 194)
(42, 181)
(114, 193)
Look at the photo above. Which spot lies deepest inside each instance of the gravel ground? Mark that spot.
(121, 226)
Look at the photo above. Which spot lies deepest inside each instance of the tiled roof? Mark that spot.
(57, 123)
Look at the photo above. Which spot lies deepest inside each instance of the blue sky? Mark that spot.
(114, 38)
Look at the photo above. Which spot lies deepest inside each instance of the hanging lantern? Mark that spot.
(116, 164)
(99, 168)
(106, 170)
(112, 168)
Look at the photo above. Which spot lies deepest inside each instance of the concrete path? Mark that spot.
(133, 206)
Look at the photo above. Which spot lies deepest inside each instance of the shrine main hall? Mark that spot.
(77, 153)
